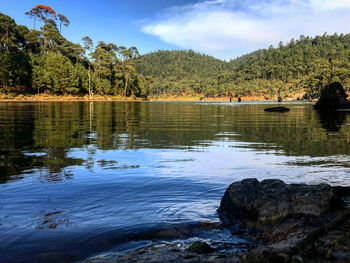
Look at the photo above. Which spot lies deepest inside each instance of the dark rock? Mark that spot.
(265, 256)
(200, 248)
(277, 109)
(332, 97)
(272, 200)
(313, 233)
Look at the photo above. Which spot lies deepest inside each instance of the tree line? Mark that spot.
(303, 65)
(35, 61)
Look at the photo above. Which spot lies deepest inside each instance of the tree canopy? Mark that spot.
(43, 61)
(305, 64)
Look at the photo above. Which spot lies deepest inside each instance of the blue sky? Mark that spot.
(221, 28)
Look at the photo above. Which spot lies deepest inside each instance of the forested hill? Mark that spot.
(179, 64)
(305, 64)
(41, 60)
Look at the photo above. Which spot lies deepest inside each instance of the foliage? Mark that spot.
(55, 73)
(43, 61)
(306, 65)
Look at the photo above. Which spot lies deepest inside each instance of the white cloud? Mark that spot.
(330, 4)
(228, 28)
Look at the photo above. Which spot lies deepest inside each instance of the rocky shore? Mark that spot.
(283, 223)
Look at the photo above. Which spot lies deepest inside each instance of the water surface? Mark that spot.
(80, 178)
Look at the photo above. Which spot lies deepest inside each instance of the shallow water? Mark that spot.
(79, 178)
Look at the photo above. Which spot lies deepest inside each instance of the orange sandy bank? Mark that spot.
(46, 97)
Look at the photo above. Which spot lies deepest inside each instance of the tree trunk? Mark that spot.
(7, 37)
(126, 84)
(90, 95)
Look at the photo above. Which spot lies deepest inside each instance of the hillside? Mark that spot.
(305, 64)
(180, 64)
(42, 61)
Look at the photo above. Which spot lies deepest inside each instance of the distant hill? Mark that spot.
(245, 58)
(180, 64)
(304, 64)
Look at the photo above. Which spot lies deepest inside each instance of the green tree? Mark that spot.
(58, 74)
(63, 21)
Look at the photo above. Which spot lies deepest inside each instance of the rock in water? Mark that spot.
(277, 109)
(201, 248)
(332, 97)
(272, 200)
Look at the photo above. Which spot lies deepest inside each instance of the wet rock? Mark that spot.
(332, 97)
(201, 248)
(277, 109)
(252, 202)
(301, 223)
(165, 253)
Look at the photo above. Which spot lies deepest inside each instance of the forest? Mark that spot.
(303, 65)
(42, 61)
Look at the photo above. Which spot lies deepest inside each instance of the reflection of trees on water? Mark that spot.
(332, 121)
(298, 132)
(42, 135)
(51, 220)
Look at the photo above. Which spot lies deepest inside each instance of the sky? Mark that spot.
(224, 29)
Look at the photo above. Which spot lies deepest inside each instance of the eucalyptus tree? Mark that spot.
(42, 12)
(14, 61)
(50, 36)
(104, 59)
(63, 21)
(128, 56)
(88, 46)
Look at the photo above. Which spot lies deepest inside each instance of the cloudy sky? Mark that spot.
(222, 28)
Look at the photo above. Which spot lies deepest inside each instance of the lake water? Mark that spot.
(80, 178)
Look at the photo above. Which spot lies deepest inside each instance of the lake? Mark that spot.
(82, 178)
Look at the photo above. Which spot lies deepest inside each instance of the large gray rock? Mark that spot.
(272, 200)
(332, 97)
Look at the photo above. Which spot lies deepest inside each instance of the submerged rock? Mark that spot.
(332, 97)
(253, 202)
(201, 248)
(277, 109)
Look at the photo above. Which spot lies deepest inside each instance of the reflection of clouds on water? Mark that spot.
(59, 135)
(224, 162)
(128, 166)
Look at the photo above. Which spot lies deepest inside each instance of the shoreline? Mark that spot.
(297, 231)
(62, 98)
